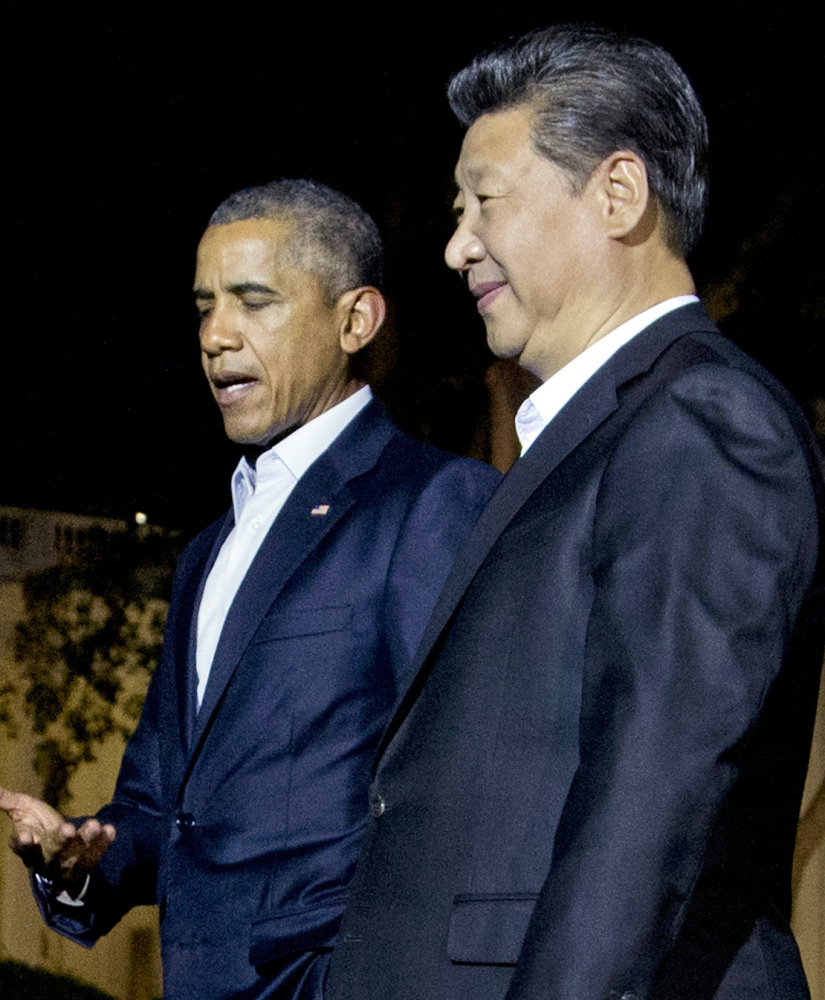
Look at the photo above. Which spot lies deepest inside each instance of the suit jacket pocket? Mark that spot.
(489, 929)
(306, 929)
(303, 621)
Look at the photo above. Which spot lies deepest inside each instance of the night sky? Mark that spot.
(124, 132)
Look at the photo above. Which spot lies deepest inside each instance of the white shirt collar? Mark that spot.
(542, 405)
(298, 450)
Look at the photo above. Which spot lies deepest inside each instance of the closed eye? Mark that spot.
(204, 308)
(254, 305)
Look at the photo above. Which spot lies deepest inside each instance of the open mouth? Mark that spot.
(230, 386)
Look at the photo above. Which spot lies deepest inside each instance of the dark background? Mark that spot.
(124, 131)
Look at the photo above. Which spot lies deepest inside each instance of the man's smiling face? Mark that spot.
(522, 241)
(270, 342)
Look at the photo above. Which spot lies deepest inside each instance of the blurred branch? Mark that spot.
(87, 645)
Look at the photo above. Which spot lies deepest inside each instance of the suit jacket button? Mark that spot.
(185, 822)
(377, 806)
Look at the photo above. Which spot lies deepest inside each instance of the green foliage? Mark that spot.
(6, 716)
(88, 644)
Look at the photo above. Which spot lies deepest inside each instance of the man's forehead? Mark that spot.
(471, 172)
(492, 143)
(249, 245)
(276, 232)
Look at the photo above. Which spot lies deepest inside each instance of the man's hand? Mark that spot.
(51, 846)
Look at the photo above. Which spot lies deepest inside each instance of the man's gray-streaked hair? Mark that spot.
(333, 237)
(594, 92)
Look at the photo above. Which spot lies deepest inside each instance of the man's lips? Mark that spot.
(230, 386)
(486, 292)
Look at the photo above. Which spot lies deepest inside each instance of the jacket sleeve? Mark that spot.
(704, 545)
(127, 874)
(437, 523)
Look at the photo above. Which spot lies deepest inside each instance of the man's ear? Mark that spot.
(626, 208)
(362, 313)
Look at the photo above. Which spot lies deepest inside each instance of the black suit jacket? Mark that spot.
(243, 822)
(590, 790)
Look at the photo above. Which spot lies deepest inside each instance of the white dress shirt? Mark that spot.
(258, 494)
(536, 412)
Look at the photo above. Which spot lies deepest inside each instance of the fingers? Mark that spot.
(25, 811)
(36, 827)
(67, 830)
(11, 802)
(80, 850)
(30, 853)
(7, 799)
(49, 844)
(90, 842)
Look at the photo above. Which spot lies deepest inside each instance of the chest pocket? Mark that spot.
(303, 621)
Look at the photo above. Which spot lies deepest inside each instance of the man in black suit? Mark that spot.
(242, 796)
(590, 790)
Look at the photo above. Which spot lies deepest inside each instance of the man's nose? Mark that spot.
(464, 248)
(219, 332)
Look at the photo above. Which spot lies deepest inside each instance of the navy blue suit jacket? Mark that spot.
(590, 790)
(243, 821)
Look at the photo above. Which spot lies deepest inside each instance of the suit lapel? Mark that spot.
(571, 427)
(188, 678)
(177, 674)
(293, 537)
(573, 424)
(584, 413)
(178, 698)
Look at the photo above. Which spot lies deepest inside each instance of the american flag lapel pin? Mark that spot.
(320, 510)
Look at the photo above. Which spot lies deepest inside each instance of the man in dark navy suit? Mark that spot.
(242, 796)
(590, 790)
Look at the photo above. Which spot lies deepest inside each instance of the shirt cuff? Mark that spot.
(63, 897)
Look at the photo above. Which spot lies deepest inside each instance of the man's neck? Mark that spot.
(629, 288)
(252, 452)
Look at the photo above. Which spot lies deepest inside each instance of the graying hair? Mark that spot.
(333, 237)
(595, 92)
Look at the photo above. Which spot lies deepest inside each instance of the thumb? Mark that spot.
(9, 800)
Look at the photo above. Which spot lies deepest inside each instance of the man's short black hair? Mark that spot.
(333, 236)
(594, 92)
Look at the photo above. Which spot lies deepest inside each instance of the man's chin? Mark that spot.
(501, 345)
(254, 443)
(247, 437)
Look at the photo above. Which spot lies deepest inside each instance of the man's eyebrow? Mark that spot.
(472, 176)
(474, 172)
(241, 288)
(250, 287)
